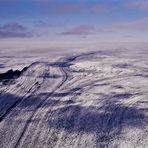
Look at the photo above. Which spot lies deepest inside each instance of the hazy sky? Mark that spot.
(41, 24)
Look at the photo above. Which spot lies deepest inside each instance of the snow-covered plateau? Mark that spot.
(87, 100)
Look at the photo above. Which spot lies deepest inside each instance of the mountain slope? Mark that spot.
(87, 100)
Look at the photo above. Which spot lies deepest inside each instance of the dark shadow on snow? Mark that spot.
(107, 122)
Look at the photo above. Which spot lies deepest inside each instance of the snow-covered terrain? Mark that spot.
(88, 100)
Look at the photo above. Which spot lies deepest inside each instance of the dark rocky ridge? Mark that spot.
(11, 74)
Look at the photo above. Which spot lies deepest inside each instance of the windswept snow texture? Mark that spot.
(90, 100)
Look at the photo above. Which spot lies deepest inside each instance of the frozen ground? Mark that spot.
(88, 100)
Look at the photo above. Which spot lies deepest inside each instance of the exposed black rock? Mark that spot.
(11, 74)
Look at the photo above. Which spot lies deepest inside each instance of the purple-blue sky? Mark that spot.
(71, 23)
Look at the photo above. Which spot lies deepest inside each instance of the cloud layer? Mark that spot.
(138, 4)
(76, 8)
(69, 20)
(141, 24)
(80, 30)
(14, 30)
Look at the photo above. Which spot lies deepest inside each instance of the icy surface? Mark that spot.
(90, 100)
